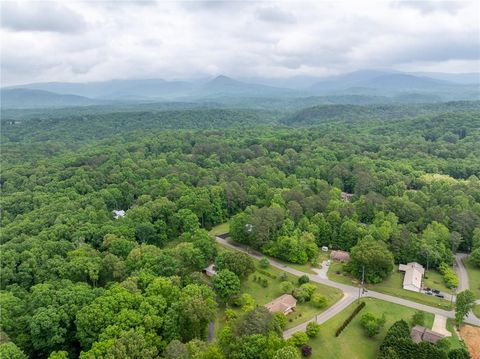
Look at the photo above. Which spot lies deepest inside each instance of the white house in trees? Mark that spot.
(413, 276)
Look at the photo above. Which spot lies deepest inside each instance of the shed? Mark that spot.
(419, 334)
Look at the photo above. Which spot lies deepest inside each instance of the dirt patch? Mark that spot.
(471, 336)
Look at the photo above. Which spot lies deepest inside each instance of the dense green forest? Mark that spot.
(78, 282)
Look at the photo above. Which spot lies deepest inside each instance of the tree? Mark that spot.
(298, 339)
(318, 300)
(459, 353)
(463, 305)
(306, 350)
(373, 257)
(176, 350)
(237, 262)
(263, 263)
(371, 324)
(58, 355)
(418, 318)
(287, 287)
(256, 321)
(312, 329)
(11, 351)
(287, 352)
(475, 257)
(303, 279)
(226, 284)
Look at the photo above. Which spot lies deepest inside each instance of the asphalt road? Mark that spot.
(461, 272)
(350, 294)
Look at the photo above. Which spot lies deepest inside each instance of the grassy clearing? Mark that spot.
(263, 295)
(220, 229)
(473, 278)
(476, 310)
(434, 279)
(393, 285)
(454, 340)
(353, 343)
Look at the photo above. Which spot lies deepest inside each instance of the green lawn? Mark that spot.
(473, 278)
(434, 280)
(353, 343)
(476, 310)
(454, 340)
(393, 285)
(263, 295)
(220, 229)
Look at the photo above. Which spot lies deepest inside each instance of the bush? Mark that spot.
(283, 277)
(312, 329)
(298, 339)
(303, 279)
(318, 300)
(350, 318)
(280, 319)
(267, 273)
(306, 350)
(449, 276)
(371, 324)
(264, 283)
(418, 318)
(301, 294)
(287, 287)
(264, 263)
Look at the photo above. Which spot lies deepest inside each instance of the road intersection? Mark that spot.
(350, 293)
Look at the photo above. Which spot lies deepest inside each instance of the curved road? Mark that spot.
(350, 294)
(462, 273)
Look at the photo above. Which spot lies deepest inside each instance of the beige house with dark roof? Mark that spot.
(413, 276)
(284, 304)
(419, 334)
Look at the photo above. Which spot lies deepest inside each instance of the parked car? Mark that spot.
(428, 292)
(427, 289)
(439, 295)
(436, 291)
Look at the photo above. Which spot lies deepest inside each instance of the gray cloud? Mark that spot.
(88, 41)
(40, 16)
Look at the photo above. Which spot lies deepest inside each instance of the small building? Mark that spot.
(346, 197)
(340, 256)
(210, 270)
(119, 214)
(419, 334)
(285, 304)
(324, 249)
(413, 276)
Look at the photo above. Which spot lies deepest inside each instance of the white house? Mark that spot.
(413, 276)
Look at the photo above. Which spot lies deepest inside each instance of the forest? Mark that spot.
(77, 282)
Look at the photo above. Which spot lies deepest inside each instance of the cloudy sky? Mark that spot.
(96, 40)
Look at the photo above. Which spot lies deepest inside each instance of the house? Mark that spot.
(119, 214)
(419, 334)
(346, 197)
(210, 270)
(340, 256)
(284, 304)
(413, 276)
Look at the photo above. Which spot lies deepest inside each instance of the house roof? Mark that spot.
(413, 274)
(282, 303)
(419, 333)
(340, 255)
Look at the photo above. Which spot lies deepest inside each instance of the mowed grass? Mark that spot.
(352, 342)
(262, 295)
(473, 278)
(220, 229)
(393, 285)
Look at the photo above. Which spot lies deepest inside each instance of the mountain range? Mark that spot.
(367, 86)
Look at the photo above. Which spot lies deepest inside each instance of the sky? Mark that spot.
(96, 40)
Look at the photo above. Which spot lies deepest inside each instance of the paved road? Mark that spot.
(349, 291)
(461, 272)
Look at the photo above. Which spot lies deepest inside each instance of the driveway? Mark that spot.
(351, 291)
(461, 272)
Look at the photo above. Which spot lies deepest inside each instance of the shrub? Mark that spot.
(280, 319)
(264, 283)
(303, 279)
(306, 350)
(371, 324)
(267, 273)
(283, 277)
(350, 318)
(449, 276)
(318, 300)
(418, 318)
(287, 287)
(264, 263)
(298, 339)
(312, 329)
(301, 294)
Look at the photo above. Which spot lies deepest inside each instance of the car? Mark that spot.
(439, 295)
(436, 291)
(428, 289)
(428, 292)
